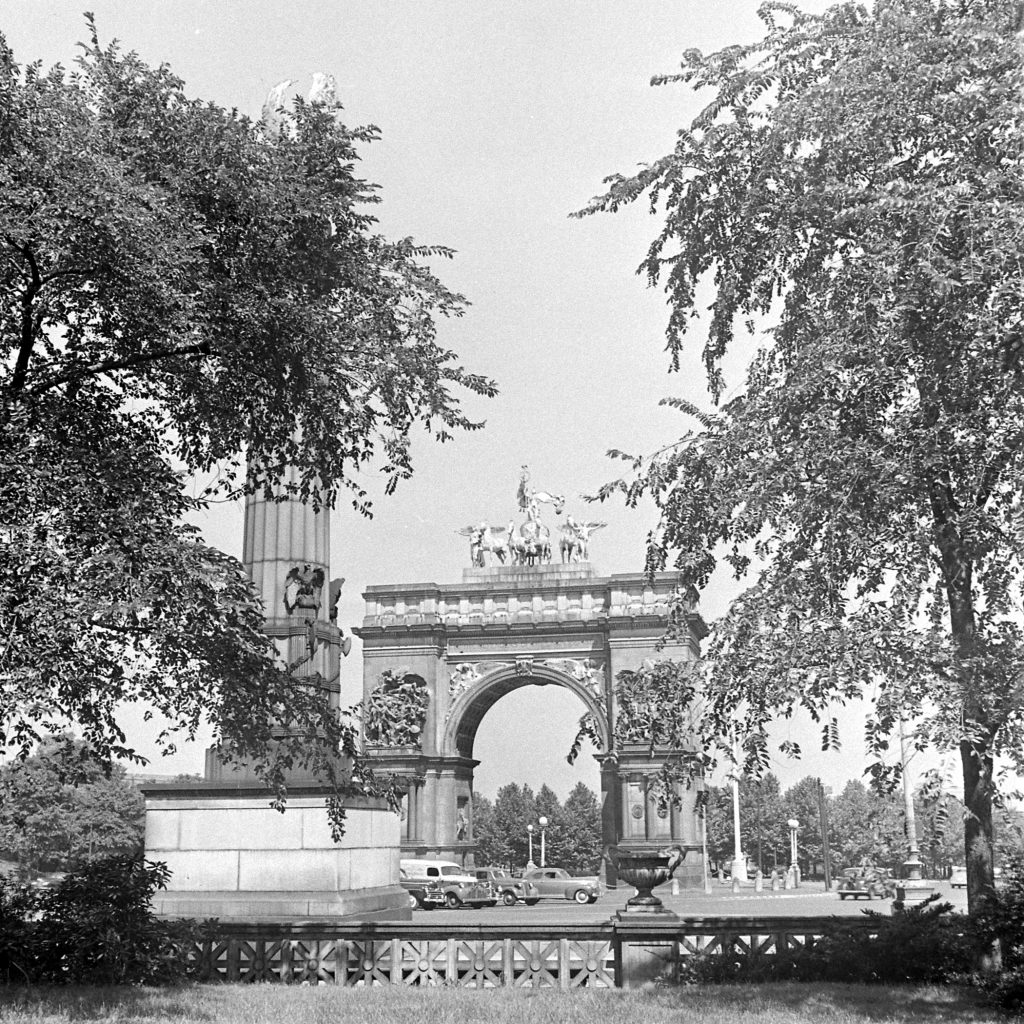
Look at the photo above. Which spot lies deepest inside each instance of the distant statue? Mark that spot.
(324, 89)
(334, 596)
(485, 540)
(574, 545)
(462, 828)
(277, 106)
(302, 590)
(274, 117)
(536, 542)
(530, 500)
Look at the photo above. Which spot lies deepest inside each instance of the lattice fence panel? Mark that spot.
(590, 964)
(368, 962)
(422, 963)
(478, 963)
(535, 963)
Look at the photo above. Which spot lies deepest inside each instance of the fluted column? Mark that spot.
(283, 537)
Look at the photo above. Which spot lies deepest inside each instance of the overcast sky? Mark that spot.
(497, 122)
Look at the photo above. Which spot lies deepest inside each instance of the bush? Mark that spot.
(925, 943)
(95, 927)
(1001, 919)
(18, 908)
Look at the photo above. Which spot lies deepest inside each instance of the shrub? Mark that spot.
(1001, 919)
(920, 944)
(95, 927)
(19, 905)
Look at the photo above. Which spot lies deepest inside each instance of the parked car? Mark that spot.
(424, 893)
(557, 883)
(958, 878)
(508, 889)
(866, 881)
(456, 885)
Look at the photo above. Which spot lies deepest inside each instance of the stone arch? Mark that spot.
(469, 709)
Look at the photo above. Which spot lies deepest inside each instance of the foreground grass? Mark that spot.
(725, 1004)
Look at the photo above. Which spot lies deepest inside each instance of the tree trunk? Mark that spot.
(976, 746)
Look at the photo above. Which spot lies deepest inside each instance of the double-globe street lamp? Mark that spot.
(543, 823)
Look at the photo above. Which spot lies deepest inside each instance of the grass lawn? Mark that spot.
(274, 1004)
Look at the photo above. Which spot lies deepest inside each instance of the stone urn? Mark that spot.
(645, 869)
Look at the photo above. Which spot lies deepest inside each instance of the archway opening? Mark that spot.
(520, 738)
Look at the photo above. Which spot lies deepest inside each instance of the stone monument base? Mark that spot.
(233, 857)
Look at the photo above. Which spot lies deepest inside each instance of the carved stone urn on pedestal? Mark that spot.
(645, 869)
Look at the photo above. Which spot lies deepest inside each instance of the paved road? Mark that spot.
(808, 900)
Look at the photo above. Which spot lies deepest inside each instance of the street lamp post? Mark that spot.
(529, 833)
(739, 861)
(794, 826)
(914, 887)
(543, 822)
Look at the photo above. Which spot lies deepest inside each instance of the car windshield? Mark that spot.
(451, 869)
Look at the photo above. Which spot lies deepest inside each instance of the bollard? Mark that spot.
(789, 880)
(675, 886)
(735, 884)
(775, 880)
(759, 881)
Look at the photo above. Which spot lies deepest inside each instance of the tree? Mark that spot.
(59, 809)
(763, 819)
(514, 809)
(181, 287)
(491, 847)
(547, 805)
(800, 801)
(940, 827)
(856, 180)
(866, 824)
(719, 824)
(581, 841)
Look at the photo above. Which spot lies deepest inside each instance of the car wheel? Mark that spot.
(452, 902)
(509, 899)
(533, 902)
(581, 897)
(842, 895)
(414, 903)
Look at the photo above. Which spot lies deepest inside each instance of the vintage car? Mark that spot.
(424, 893)
(958, 878)
(508, 889)
(456, 885)
(866, 881)
(558, 884)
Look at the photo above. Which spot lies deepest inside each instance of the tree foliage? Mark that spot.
(856, 179)
(572, 836)
(182, 288)
(59, 810)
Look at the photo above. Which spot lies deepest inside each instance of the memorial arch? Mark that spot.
(502, 627)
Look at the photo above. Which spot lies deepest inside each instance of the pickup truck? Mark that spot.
(424, 893)
(557, 883)
(508, 889)
(443, 883)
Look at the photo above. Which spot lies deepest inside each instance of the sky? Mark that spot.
(497, 121)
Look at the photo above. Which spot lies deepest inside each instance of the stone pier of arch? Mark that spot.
(503, 627)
